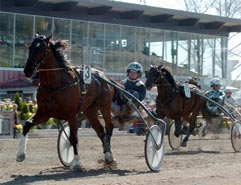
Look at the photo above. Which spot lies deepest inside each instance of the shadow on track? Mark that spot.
(58, 174)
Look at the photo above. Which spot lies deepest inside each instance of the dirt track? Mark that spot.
(203, 162)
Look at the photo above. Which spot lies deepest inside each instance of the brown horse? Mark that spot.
(59, 95)
(171, 101)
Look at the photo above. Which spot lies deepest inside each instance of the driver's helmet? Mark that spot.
(136, 67)
(228, 91)
(215, 81)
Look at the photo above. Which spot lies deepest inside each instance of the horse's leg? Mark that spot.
(192, 123)
(73, 138)
(108, 133)
(178, 126)
(36, 119)
(91, 114)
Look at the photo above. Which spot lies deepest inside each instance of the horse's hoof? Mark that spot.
(184, 144)
(77, 166)
(108, 158)
(20, 158)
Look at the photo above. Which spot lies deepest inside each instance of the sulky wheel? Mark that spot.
(236, 136)
(64, 147)
(174, 142)
(154, 148)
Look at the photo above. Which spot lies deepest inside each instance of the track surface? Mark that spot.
(209, 161)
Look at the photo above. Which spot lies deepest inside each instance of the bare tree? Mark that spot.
(229, 8)
(197, 6)
(144, 1)
(225, 8)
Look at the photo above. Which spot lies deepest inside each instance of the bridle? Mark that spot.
(44, 51)
(37, 63)
(158, 77)
(156, 82)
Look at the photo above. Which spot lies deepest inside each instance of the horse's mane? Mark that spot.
(168, 75)
(58, 49)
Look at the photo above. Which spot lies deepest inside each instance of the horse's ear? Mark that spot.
(48, 38)
(159, 67)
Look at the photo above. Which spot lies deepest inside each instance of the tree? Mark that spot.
(197, 6)
(17, 100)
(224, 8)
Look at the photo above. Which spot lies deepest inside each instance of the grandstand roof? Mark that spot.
(126, 14)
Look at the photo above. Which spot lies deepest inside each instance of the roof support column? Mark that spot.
(224, 57)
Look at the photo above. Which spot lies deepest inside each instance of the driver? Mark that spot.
(134, 86)
(214, 94)
(132, 83)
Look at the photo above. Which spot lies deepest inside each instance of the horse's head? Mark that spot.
(153, 76)
(37, 52)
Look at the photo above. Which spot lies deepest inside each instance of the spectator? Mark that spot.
(15, 120)
(216, 95)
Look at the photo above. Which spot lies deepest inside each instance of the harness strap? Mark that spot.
(83, 88)
(57, 89)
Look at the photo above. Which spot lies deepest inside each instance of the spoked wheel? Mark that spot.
(154, 148)
(236, 136)
(64, 147)
(174, 142)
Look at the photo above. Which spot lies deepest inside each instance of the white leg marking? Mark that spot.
(108, 157)
(22, 148)
(76, 163)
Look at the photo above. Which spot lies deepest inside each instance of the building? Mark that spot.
(110, 34)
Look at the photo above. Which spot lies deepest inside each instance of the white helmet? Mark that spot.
(228, 91)
(136, 67)
(215, 81)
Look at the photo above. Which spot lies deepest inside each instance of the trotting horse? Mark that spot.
(171, 101)
(59, 96)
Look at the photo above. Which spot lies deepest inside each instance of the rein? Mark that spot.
(163, 85)
(54, 69)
